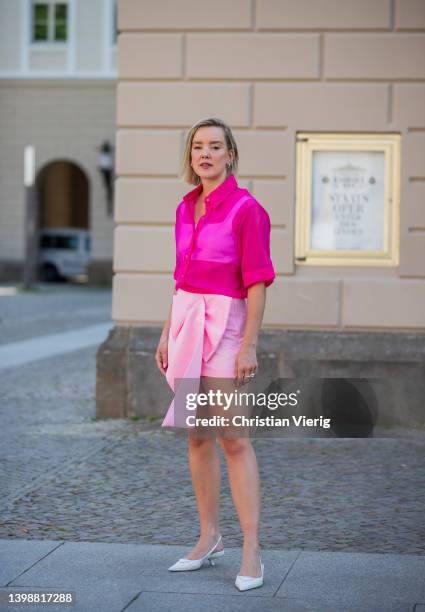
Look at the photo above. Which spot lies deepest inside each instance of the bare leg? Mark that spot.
(245, 486)
(205, 469)
(243, 478)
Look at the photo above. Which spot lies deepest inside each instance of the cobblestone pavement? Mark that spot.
(65, 475)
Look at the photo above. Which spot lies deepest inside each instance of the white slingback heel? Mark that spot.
(183, 565)
(243, 583)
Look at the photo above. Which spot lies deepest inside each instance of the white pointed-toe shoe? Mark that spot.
(183, 565)
(243, 583)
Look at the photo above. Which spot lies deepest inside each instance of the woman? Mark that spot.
(223, 267)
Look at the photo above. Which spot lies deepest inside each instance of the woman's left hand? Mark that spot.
(246, 364)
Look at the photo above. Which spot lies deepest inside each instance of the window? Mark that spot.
(59, 242)
(67, 242)
(49, 22)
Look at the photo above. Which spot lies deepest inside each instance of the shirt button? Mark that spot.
(207, 199)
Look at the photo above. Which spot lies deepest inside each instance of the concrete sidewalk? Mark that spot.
(134, 577)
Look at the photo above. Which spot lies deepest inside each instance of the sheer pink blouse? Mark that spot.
(229, 248)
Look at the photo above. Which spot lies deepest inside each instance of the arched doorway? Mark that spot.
(63, 196)
(63, 220)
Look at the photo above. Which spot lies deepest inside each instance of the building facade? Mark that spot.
(57, 93)
(274, 70)
(271, 69)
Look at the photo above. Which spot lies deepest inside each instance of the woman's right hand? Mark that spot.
(161, 355)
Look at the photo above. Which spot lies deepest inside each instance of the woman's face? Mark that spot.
(210, 154)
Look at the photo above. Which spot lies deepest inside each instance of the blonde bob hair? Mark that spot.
(187, 172)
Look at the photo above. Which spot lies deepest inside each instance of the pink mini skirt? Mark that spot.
(222, 362)
(206, 332)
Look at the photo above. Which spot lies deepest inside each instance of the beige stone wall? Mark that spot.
(270, 68)
(64, 121)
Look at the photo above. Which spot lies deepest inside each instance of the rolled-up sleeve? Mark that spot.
(254, 241)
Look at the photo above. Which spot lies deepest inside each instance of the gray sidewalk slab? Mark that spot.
(134, 577)
(51, 345)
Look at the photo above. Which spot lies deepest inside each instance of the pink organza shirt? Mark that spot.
(229, 249)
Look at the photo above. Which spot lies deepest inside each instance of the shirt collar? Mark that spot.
(216, 196)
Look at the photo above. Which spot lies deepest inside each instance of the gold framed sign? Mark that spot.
(347, 199)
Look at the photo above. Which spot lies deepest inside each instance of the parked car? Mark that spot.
(63, 252)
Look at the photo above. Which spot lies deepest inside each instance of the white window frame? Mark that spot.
(50, 42)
